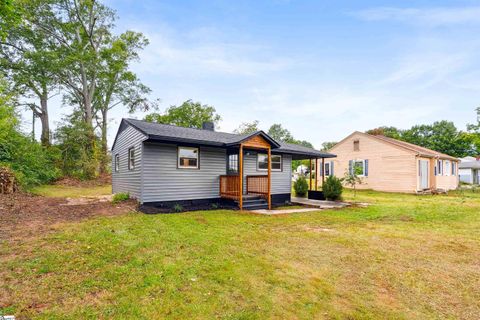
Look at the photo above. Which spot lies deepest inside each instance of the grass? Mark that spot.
(70, 191)
(403, 257)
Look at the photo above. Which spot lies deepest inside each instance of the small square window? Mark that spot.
(188, 158)
(131, 158)
(117, 163)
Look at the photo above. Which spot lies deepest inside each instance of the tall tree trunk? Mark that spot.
(45, 137)
(104, 159)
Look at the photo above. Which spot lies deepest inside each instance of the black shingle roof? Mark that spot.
(171, 133)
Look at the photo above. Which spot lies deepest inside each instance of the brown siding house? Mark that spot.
(387, 164)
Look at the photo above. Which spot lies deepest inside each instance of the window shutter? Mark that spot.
(331, 168)
(350, 167)
(366, 168)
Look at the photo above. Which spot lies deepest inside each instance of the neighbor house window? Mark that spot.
(440, 167)
(359, 167)
(117, 163)
(262, 162)
(188, 157)
(454, 168)
(131, 158)
(447, 168)
(356, 145)
(232, 163)
(327, 169)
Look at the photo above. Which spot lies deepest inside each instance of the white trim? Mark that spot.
(273, 155)
(130, 158)
(178, 157)
(363, 163)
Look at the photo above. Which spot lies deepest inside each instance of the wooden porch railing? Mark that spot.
(258, 185)
(230, 187)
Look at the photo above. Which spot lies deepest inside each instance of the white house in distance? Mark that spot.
(387, 164)
(469, 170)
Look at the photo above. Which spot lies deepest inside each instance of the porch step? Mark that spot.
(252, 202)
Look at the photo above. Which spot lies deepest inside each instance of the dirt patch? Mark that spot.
(101, 180)
(24, 215)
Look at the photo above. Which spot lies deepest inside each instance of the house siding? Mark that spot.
(281, 180)
(126, 180)
(163, 181)
(389, 168)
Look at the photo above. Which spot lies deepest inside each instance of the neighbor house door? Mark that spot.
(423, 174)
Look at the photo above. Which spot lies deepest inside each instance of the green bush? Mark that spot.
(121, 196)
(301, 186)
(332, 188)
(177, 207)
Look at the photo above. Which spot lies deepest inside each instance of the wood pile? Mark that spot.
(8, 184)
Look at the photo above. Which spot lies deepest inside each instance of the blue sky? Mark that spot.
(322, 69)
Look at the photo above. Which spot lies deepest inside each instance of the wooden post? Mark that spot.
(310, 174)
(317, 172)
(323, 166)
(240, 177)
(269, 179)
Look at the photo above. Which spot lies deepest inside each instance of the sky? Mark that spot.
(322, 69)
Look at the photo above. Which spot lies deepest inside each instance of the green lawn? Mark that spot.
(404, 257)
(70, 191)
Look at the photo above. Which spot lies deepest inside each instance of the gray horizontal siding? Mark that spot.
(163, 181)
(281, 180)
(126, 180)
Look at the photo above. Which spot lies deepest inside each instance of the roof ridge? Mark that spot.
(175, 126)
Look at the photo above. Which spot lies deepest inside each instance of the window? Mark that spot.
(360, 167)
(232, 163)
(262, 162)
(131, 158)
(117, 163)
(440, 167)
(454, 169)
(447, 168)
(327, 169)
(188, 158)
(356, 145)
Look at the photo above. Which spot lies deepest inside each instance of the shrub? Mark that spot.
(177, 207)
(214, 206)
(332, 188)
(301, 187)
(121, 196)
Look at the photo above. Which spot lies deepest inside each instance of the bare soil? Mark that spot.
(101, 180)
(24, 215)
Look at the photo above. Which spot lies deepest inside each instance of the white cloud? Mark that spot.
(440, 16)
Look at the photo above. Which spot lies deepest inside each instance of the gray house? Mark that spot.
(469, 170)
(161, 165)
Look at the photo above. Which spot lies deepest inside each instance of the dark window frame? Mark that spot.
(117, 162)
(130, 166)
(232, 158)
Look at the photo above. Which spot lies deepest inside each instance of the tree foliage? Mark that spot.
(189, 114)
(328, 145)
(247, 127)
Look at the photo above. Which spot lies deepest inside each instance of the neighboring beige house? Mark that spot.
(387, 164)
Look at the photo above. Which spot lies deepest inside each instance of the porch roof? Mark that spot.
(175, 134)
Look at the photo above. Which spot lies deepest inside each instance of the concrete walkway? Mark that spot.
(283, 211)
(322, 204)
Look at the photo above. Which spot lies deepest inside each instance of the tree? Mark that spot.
(328, 145)
(28, 59)
(247, 127)
(189, 114)
(474, 134)
(352, 178)
(277, 132)
(116, 84)
(441, 136)
(390, 132)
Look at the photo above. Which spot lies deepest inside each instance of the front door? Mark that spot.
(423, 174)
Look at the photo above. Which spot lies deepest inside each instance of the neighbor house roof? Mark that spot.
(421, 151)
(171, 133)
(469, 165)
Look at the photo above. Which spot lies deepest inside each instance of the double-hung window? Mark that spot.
(117, 163)
(131, 158)
(187, 158)
(232, 163)
(262, 162)
(327, 169)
